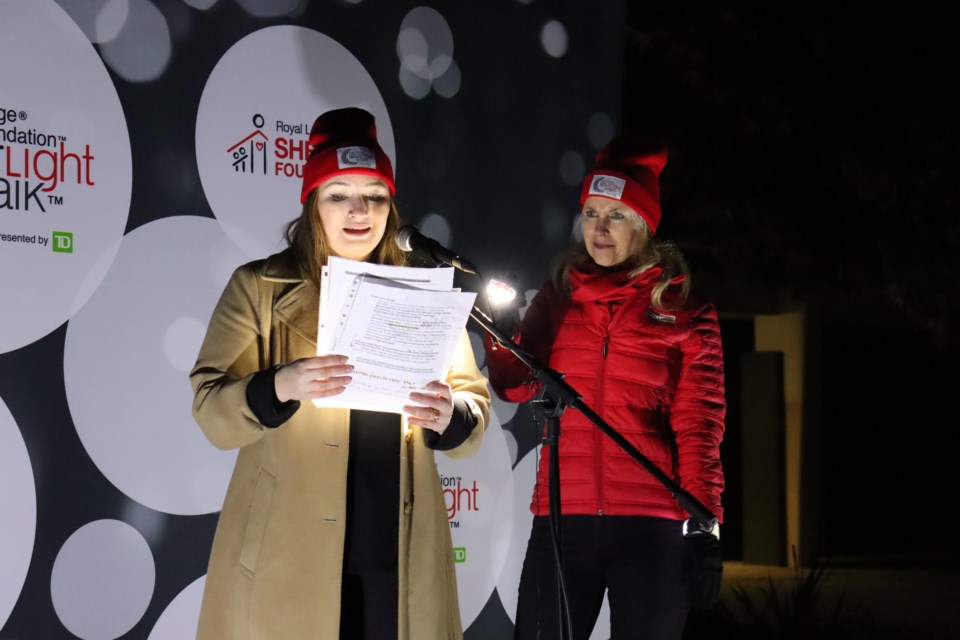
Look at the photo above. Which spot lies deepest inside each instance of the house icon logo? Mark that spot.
(249, 155)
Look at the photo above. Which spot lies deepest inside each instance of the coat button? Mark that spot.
(407, 508)
(408, 436)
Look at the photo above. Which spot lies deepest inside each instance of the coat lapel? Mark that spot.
(297, 302)
(298, 309)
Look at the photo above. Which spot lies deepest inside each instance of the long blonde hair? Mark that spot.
(308, 241)
(646, 252)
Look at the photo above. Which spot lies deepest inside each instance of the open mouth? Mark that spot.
(356, 232)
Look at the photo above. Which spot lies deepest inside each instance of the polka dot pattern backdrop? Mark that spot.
(148, 147)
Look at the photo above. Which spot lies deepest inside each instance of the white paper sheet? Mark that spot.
(338, 281)
(397, 336)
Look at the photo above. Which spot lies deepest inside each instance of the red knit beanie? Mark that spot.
(628, 169)
(344, 141)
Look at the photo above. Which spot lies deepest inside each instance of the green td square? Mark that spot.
(62, 241)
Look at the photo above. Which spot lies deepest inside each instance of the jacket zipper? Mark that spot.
(601, 381)
(598, 437)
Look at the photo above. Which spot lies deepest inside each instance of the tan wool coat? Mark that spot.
(275, 567)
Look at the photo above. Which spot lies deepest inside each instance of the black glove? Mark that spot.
(702, 564)
(507, 320)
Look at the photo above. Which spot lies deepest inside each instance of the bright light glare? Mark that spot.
(500, 293)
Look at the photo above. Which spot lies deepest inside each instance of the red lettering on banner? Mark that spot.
(82, 175)
(280, 148)
(10, 172)
(50, 176)
(288, 169)
(460, 498)
(50, 166)
(291, 148)
(298, 149)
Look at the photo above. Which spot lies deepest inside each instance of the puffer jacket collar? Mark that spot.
(592, 283)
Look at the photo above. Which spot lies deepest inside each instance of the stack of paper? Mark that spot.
(398, 327)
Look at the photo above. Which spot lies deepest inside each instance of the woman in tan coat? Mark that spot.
(334, 524)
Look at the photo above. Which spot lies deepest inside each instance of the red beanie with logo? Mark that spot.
(344, 141)
(628, 169)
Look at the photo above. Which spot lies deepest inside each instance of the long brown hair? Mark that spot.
(647, 252)
(308, 241)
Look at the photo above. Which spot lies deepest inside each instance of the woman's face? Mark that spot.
(609, 230)
(353, 210)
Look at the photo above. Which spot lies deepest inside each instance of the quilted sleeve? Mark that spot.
(698, 410)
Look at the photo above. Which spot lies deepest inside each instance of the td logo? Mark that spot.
(459, 554)
(62, 241)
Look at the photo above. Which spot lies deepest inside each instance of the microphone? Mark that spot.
(410, 239)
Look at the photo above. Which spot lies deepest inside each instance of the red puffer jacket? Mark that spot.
(655, 377)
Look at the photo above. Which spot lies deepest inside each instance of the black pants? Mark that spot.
(638, 560)
(368, 606)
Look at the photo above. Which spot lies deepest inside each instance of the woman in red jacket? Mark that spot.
(619, 322)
